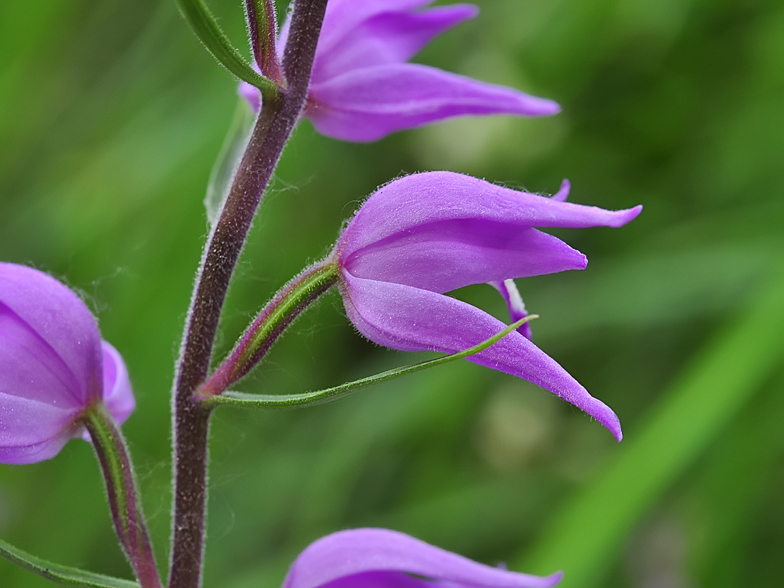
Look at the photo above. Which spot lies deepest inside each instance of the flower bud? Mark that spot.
(54, 367)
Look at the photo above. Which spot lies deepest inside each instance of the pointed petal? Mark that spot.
(443, 256)
(251, 94)
(343, 16)
(508, 289)
(379, 558)
(117, 392)
(563, 192)
(388, 37)
(367, 104)
(411, 319)
(406, 204)
(59, 318)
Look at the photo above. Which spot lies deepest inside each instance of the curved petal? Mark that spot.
(31, 430)
(563, 192)
(251, 94)
(411, 319)
(30, 368)
(388, 37)
(379, 558)
(117, 393)
(367, 104)
(343, 16)
(446, 255)
(517, 311)
(60, 318)
(419, 199)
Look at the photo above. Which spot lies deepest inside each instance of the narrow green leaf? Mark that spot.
(215, 40)
(589, 532)
(61, 574)
(330, 394)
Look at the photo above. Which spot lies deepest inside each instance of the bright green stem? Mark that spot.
(330, 394)
(124, 501)
(279, 313)
(217, 43)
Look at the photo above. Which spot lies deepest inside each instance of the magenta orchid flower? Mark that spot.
(379, 558)
(362, 87)
(427, 234)
(53, 366)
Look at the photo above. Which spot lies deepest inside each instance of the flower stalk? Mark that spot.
(263, 30)
(271, 131)
(124, 501)
(276, 316)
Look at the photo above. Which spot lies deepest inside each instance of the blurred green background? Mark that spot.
(111, 115)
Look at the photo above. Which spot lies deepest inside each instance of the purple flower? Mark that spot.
(378, 558)
(53, 366)
(426, 234)
(362, 88)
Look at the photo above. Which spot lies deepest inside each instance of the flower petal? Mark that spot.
(32, 369)
(446, 255)
(379, 558)
(408, 202)
(367, 104)
(31, 430)
(563, 192)
(388, 37)
(117, 392)
(508, 289)
(412, 319)
(251, 94)
(343, 16)
(59, 318)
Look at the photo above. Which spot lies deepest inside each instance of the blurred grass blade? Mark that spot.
(61, 574)
(588, 534)
(230, 154)
(215, 40)
(330, 394)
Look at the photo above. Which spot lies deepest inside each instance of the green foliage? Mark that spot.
(61, 574)
(111, 117)
(218, 44)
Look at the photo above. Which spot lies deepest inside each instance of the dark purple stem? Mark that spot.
(273, 127)
(263, 38)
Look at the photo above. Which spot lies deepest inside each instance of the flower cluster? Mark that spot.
(411, 243)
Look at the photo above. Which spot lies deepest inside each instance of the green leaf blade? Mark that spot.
(329, 394)
(589, 532)
(218, 44)
(59, 573)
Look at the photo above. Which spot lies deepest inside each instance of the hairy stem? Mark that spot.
(274, 318)
(124, 502)
(273, 127)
